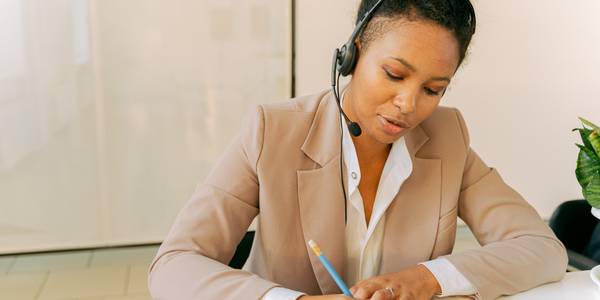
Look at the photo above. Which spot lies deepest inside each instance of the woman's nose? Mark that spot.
(406, 102)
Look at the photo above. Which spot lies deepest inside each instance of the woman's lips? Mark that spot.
(391, 126)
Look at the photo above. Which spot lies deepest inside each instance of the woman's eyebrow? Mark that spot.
(441, 79)
(405, 63)
(411, 68)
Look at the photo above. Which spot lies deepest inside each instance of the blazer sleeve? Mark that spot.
(192, 261)
(519, 250)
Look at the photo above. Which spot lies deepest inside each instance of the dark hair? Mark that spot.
(458, 16)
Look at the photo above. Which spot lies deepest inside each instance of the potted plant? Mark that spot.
(588, 164)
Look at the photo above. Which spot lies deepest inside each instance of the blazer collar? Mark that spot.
(322, 142)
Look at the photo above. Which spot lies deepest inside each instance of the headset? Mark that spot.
(344, 60)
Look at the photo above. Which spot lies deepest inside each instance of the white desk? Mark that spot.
(574, 286)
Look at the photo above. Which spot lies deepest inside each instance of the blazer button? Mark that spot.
(353, 174)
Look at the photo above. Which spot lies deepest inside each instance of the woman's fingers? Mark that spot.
(360, 293)
(366, 290)
(382, 295)
(325, 297)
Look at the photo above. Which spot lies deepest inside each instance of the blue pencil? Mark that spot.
(338, 280)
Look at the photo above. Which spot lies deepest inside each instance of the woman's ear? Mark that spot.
(358, 46)
(357, 54)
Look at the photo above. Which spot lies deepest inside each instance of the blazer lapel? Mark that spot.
(320, 197)
(412, 218)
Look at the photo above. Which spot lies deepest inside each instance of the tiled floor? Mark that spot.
(106, 274)
(118, 274)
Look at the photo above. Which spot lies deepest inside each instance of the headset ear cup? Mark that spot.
(348, 59)
(341, 58)
(353, 58)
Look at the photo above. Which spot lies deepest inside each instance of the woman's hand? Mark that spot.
(412, 283)
(326, 297)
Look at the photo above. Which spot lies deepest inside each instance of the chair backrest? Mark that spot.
(592, 249)
(243, 251)
(573, 224)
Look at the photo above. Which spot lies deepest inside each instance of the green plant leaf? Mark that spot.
(594, 139)
(592, 191)
(590, 124)
(588, 165)
(585, 133)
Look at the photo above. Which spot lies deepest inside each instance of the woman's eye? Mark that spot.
(393, 77)
(431, 92)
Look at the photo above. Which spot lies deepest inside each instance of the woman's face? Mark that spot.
(400, 78)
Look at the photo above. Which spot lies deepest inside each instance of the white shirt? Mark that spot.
(364, 241)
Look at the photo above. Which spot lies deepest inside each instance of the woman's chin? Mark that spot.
(386, 138)
(383, 138)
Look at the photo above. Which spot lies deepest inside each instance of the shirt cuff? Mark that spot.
(279, 293)
(452, 282)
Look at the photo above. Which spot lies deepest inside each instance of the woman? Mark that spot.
(388, 224)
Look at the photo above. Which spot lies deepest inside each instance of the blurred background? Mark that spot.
(112, 111)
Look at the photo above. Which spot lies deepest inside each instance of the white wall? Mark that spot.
(534, 67)
(112, 111)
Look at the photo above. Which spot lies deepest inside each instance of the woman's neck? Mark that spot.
(369, 150)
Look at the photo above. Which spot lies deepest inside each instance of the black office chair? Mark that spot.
(243, 251)
(579, 231)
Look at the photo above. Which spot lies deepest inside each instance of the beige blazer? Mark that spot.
(284, 164)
